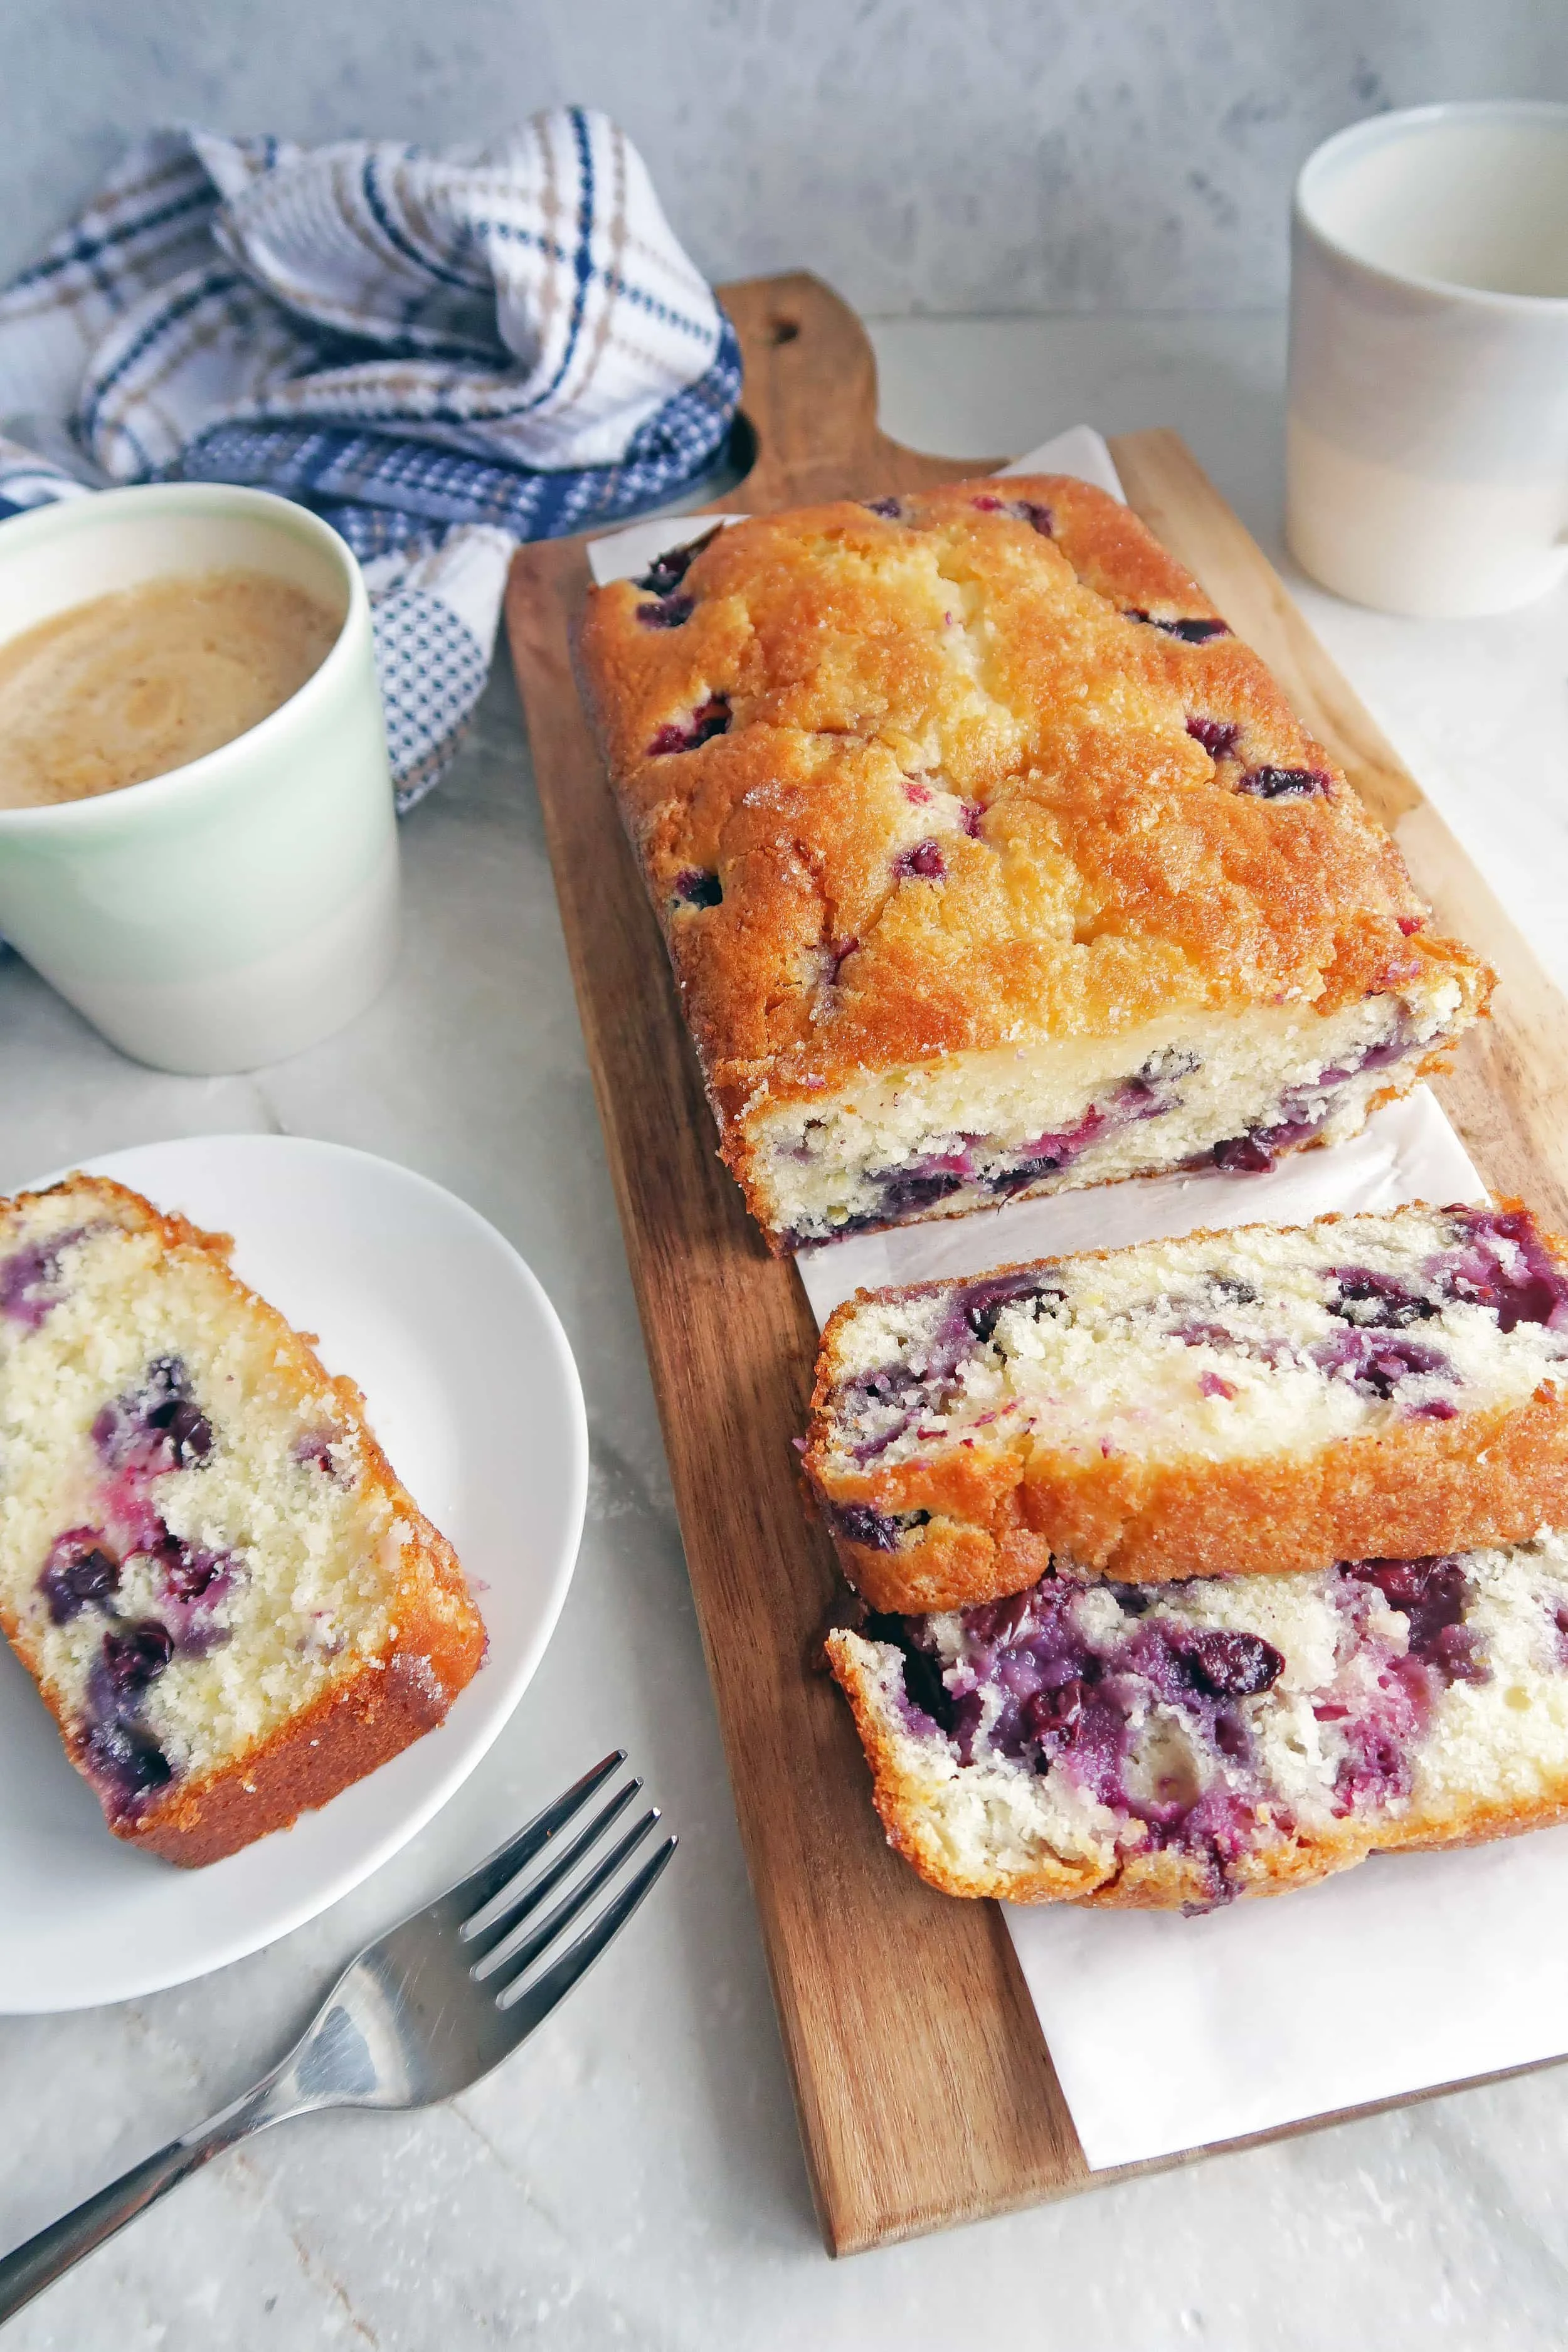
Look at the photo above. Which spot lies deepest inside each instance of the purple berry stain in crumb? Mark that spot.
(710, 718)
(969, 814)
(1285, 783)
(1029, 1685)
(1245, 1155)
(859, 1523)
(1432, 1595)
(121, 1758)
(1375, 1301)
(925, 1693)
(1379, 1736)
(1197, 1333)
(891, 509)
(923, 863)
(1502, 1263)
(667, 612)
(915, 1185)
(1219, 736)
(978, 1306)
(81, 1572)
(156, 1427)
(1377, 1362)
(1230, 1665)
(29, 1278)
(189, 1571)
(696, 886)
(135, 1655)
(1305, 1110)
(121, 1755)
(886, 1402)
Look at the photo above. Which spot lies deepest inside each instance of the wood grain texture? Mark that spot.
(925, 2092)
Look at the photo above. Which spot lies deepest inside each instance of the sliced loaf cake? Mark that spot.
(229, 1602)
(1103, 1743)
(991, 863)
(1264, 1399)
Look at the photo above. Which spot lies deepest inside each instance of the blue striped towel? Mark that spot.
(442, 354)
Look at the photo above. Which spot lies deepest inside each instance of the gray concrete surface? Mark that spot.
(976, 155)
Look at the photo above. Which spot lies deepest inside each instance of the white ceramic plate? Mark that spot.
(473, 1393)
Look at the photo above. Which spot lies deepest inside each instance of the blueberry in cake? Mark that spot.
(227, 1599)
(1105, 1743)
(1264, 1399)
(991, 863)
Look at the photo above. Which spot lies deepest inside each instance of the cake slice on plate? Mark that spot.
(227, 1599)
(1104, 1743)
(1264, 1399)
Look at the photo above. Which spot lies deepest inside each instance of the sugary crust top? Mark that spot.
(956, 804)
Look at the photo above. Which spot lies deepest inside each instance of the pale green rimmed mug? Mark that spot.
(242, 907)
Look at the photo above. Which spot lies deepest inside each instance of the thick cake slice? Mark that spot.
(991, 863)
(1235, 1736)
(227, 1599)
(1238, 1402)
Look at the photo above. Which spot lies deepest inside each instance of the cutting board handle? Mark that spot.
(810, 399)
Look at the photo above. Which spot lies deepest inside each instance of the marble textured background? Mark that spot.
(635, 2178)
(978, 155)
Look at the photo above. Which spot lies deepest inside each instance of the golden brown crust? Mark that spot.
(385, 1703)
(1159, 1881)
(1001, 1513)
(1417, 1489)
(384, 1708)
(132, 1210)
(891, 681)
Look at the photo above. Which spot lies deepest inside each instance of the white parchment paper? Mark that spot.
(1406, 1973)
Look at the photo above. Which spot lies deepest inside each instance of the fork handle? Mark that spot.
(39, 2260)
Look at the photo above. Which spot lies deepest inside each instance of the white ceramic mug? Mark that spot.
(242, 907)
(1427, 454)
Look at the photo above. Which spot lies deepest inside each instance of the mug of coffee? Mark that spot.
(198, 845)
(1428, 432)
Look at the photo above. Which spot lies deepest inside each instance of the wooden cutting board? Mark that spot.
(925, 2091)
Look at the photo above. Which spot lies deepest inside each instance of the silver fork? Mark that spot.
(419, 2015)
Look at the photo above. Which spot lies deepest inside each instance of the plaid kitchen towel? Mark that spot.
(441, 354)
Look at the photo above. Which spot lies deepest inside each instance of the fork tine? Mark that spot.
(508, 1904)
(525, 1947)
(531, 2008)
(497, 1868)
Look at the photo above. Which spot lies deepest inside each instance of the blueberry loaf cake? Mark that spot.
(990, 862)
(1103, 1743)
(1264, 1399)
(227, 1599)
